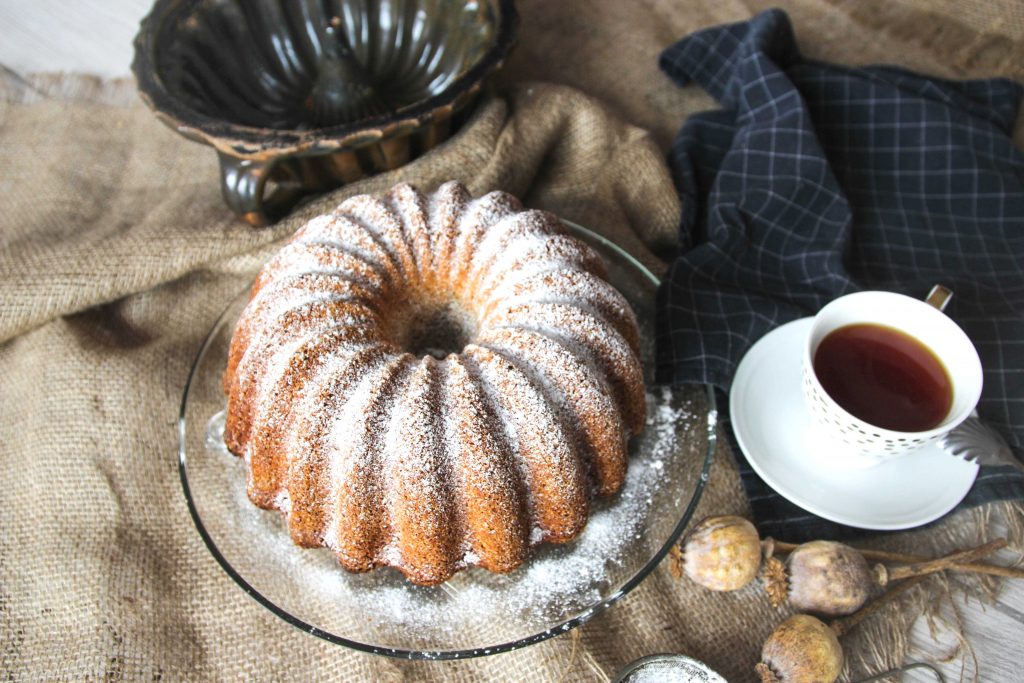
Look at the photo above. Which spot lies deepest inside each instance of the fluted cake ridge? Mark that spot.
(433, 381)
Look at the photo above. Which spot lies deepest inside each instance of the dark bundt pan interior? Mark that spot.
(300, 96)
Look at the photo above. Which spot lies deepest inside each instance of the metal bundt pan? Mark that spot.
(306, 95)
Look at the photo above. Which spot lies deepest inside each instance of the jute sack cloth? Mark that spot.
(116, 255)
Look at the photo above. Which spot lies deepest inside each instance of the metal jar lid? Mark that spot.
(667, 667)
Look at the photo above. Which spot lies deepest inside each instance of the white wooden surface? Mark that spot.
(90, 36)
(95, 37)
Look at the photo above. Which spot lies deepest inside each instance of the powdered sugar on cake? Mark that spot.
(479, 389)
(555, 582)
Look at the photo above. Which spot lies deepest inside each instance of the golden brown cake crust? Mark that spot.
(431, 382)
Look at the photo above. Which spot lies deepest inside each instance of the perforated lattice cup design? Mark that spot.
(861, 438)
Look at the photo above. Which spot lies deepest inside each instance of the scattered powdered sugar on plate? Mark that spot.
(556, 583)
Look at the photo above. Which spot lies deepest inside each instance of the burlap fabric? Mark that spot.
(117, 253)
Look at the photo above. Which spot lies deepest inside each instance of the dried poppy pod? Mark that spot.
(828, 578)
(801, 649)
(722, 553)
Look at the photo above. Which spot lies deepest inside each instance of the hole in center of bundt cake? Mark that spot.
(436, 329)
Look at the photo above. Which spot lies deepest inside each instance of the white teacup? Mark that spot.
(860, 443)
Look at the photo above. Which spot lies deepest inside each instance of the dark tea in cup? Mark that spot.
(884, 376)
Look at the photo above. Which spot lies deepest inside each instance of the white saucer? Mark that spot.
(783, 445)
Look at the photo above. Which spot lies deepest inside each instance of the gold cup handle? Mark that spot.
(243, 183)
(939, 297)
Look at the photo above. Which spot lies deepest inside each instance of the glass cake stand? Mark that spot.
(476, 612)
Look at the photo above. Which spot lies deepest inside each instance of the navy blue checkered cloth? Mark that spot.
(816, 180)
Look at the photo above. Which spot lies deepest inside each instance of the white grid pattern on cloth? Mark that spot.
(816, 180)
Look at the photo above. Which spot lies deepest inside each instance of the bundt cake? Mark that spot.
(431, 382)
